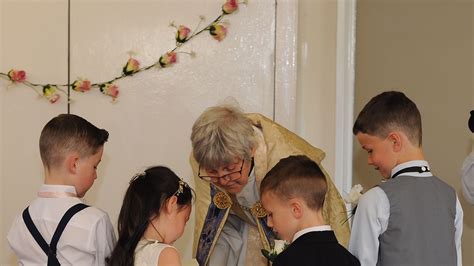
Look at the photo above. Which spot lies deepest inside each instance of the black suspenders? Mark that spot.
(50, 249)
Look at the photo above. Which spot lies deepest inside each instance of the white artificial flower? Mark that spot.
(279, 246)
(354, 194)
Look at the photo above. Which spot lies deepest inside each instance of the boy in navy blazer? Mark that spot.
(293, 194)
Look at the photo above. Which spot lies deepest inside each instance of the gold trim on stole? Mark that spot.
(224, 201)
(219, 229)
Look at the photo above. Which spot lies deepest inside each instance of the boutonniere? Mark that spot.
(278, 247)
(353, 199)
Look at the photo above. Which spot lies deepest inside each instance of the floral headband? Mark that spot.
(181, 186)
(181, 183)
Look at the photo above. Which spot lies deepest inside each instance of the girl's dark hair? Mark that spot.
(145, 196)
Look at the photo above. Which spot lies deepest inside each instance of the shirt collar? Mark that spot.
(311, 229)
(412, 164)
(56, 191)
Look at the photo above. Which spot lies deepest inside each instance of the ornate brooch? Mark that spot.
(258, 210)
(222, 200)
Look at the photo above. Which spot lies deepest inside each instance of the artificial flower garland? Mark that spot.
(217, 29)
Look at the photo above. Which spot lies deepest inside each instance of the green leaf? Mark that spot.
(269, 255)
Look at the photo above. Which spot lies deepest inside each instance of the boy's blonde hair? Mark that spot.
(297, 177)
(67, 133)
(220, 134)
(389, 111)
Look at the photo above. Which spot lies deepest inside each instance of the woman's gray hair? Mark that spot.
(220, 134)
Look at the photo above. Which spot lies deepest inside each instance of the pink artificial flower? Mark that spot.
(49, 91)
(109, 89)
(168, 59)
(81, 85)
(218, 31)
(54, 98)
(131, 67)
(230, 6)
(17, 75)
(182, 33)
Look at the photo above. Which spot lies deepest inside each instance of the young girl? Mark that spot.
(155, 210)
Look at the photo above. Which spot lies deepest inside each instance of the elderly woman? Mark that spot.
(232, 152)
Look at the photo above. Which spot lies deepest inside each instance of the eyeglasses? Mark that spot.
(228, 176)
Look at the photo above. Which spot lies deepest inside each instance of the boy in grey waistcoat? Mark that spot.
(414, 218)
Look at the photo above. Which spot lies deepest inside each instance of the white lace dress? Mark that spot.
(148, 252)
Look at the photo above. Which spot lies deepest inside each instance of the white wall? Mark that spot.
(151, 121)
(165, 102)
(26, 36)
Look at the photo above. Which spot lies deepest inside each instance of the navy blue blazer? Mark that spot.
(316, 248)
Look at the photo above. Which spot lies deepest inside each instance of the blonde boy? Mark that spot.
(71, 149)
(414, 218)
(293, 194)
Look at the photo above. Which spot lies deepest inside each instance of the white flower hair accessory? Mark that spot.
(181, 185)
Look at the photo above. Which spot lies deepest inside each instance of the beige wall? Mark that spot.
(316, 87)
(425, 49)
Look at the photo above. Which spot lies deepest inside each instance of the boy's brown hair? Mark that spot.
(67, 133)
(297, 176)
(389, 111)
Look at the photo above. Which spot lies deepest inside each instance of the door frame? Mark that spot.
(286, 73)
(345, 83)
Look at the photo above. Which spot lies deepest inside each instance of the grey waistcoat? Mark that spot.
(421, 224)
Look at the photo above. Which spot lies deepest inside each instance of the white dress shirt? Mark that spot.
(311, 229)
(372, 215)
(87, 239)
(467, 178)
